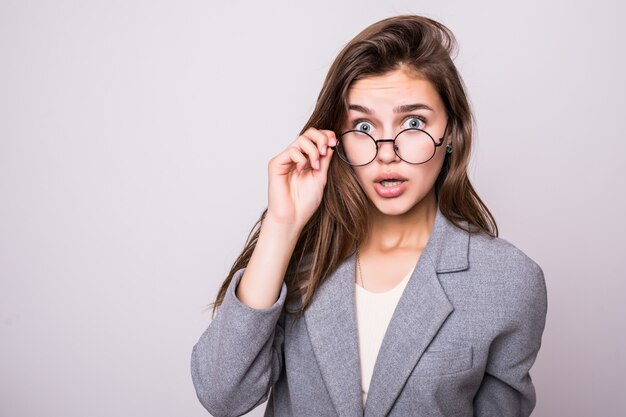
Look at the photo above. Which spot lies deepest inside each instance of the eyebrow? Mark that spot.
(405, 108)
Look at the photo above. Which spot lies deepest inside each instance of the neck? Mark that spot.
(407, 231)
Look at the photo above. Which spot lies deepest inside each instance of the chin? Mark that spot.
(393, 206)
(392, 211)
(402, 204)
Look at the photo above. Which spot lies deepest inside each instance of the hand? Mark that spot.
(297, 177)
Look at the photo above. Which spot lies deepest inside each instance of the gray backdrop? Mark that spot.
(134, 143)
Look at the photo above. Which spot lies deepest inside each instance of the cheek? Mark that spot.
(425, 175)
(439, 157)
(361, 174)
(435, 164)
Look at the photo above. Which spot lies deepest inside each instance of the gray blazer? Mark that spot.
(461, 341)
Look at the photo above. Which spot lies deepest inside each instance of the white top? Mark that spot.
(373, 314)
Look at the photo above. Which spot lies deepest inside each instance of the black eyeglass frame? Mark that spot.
(376, 141)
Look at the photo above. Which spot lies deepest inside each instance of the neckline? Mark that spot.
(392, 290)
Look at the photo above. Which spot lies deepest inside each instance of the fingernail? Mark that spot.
(324, 149)
(317, 164)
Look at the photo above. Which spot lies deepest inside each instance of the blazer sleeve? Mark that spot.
(507, 389)
(239, 356)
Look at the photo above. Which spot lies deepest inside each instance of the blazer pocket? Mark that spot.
(444, 362)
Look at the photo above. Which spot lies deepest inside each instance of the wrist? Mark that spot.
(286, 231)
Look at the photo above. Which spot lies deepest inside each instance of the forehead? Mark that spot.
(383, 92)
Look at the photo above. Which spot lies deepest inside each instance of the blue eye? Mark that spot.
(363, 126)
(415, 123)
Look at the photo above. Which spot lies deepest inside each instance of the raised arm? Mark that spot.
(239, 356)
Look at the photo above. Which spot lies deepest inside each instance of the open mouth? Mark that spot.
(391, 183)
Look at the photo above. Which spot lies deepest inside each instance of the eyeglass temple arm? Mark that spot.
(444, 135)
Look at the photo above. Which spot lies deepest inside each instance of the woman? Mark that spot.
(412, 305)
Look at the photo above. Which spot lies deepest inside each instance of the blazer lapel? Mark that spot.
(421, 311)
(331, 323)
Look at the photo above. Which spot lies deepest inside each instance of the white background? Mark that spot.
(134, 142)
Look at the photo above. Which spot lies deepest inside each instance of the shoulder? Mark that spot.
(514, 277)
(499, 255)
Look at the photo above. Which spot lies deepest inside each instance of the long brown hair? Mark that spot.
(341, 220)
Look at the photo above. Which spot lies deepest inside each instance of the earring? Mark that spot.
(448, 149)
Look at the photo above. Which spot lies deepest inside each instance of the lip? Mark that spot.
(389, 192)
(389, 176)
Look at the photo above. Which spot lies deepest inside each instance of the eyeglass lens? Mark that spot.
(413, 146)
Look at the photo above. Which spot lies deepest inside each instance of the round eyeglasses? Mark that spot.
(412, 145)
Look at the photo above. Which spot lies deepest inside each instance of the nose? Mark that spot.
(386, 153)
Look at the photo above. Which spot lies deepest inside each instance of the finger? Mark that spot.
(331, 137)
(303, 160)
(286, 161)
(321, 138)
(309, 147)
(297, 158)
(325, 162)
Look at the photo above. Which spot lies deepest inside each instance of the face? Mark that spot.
(375, 107)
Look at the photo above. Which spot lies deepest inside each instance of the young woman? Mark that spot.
(375, 283)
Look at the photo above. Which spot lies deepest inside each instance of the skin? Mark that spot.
(401, 226)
